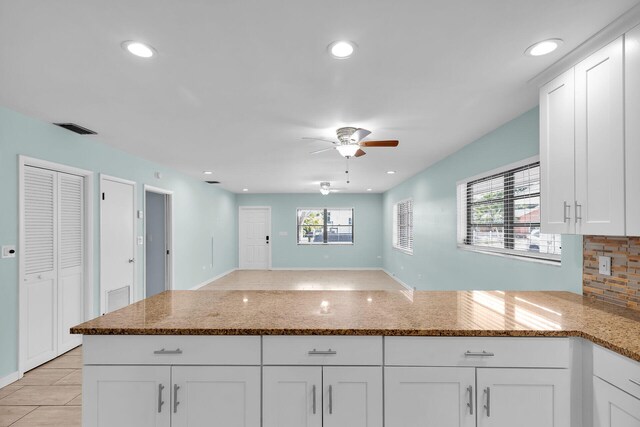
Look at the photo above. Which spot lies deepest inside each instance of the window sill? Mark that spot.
(404, 251)
(539, 260)
(327, 244)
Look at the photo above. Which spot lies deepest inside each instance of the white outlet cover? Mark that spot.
(604, 265)
(9, 251)
(140, 240)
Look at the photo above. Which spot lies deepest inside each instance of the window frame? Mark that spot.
(326, 226)
(464, 217)
(395, 225)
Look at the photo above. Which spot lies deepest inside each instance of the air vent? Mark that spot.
(76, 128)
(212, 182)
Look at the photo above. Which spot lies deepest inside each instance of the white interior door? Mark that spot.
(225, 396)
(292, 396)
(430, 397)
(254, 238)
(117, 243)
(352, 396)
(156, 243)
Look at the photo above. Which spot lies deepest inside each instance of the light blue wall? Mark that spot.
(286, 253)
(436, 262)
(201, 212)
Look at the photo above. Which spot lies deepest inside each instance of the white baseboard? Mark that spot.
(411, 288)
(326, 268)
(11, 378)
(206, 282)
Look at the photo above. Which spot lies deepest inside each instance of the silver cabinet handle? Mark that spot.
(487, 391)
(634, 382)
(478, 353)
(567, 216)
(578, 215)
(163, 351)
(470, 404)
(313, 392)
(176, 387)
(315, 352)
(330, 400)
(160, 401)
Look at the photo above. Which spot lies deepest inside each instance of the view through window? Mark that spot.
(325, 226)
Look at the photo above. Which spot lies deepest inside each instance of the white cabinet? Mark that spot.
(225, 396)
(126, 396)
(295, 396)
(557, 145)
(526, 397)
(632, 129)
(600, 157)
(613, 407)
(430, 396)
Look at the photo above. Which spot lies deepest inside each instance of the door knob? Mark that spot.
(131, 260)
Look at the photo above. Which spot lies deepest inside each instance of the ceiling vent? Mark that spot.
(76, 128)
(212, 182)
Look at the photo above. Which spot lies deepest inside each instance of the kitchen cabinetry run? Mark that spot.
(632, 130)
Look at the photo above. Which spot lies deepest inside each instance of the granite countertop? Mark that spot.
(419, 313)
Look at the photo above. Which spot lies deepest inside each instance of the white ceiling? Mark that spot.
(237, 83)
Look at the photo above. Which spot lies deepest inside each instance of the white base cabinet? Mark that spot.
(613, 407)
(292, 396)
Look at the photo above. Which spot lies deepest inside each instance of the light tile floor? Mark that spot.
(51, 394)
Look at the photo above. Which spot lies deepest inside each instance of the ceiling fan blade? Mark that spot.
(320, 151)
(388, 143)
(320, 139)
(359, 135)
(359, 153)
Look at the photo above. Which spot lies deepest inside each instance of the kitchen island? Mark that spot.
(359, 358)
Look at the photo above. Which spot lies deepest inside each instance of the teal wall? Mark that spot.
(201, 212)
(436, 262)
(286, 253)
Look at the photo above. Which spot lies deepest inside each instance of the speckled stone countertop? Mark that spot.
(419, 313)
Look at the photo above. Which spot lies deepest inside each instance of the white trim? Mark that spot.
(170, 235)
(394, 277)
(132, 293)
(248, 208)
(206, 282)
(327, 268)
(9, 379)
(556, 262)
(501, 169)
(88, 237)
(353, 227)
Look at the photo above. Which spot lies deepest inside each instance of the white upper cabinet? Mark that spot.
(557, 144)
(632, 136)
(600, 193)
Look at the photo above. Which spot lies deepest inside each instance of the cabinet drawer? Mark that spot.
(321, 350)
(616, 369)
(171, 350)
(490, 352)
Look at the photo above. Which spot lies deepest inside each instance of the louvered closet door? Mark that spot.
(38, 311)
(71, 258)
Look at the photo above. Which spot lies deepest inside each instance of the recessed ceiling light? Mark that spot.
(207, 172)
(544, 47)
(245, 189)
(138, 49)
(342, 49)
(391, 172)
(369, 189)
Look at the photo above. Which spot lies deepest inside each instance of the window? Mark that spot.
(325, 226)
(403, 225)
(501, 212)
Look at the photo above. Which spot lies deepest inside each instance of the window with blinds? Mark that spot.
(501, 212)
(403, 225)
(325, 226)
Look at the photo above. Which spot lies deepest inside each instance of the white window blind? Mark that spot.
(403, 225)
(71, 220)
(39, 221)
(501, 212)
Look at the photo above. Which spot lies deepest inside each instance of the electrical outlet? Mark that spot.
(8, 251)
(141, 240)
(604, 265)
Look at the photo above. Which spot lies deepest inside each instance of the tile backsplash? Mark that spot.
(623, 286)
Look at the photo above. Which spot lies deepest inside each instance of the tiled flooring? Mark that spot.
(50, 395)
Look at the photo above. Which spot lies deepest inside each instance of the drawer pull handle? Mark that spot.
(160, 401)
(636, 382)
(470, 404)
(163, 351)
(478, 354)
(315, 352)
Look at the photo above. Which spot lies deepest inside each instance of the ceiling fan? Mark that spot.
(325, 188)
(350, 141)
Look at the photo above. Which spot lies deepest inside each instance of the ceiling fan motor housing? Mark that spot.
(344, 134)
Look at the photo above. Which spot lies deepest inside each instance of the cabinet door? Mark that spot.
(557, 156)
(430, 397)
(225, 396)
(292, 396)
(600, 160)
(526, 397)
(632, 131)
(126, 396)
(352, 396)
(613, 407)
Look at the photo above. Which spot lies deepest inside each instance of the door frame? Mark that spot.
(132, 292)
(87, 290)
(168, 226)
(246, 209)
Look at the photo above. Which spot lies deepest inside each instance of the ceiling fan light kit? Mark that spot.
(325, 188)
